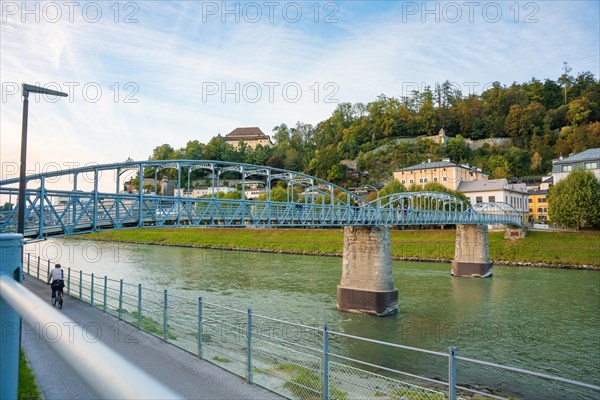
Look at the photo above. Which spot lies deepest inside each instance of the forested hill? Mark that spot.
(542, 119)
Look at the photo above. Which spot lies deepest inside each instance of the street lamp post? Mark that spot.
(21, 200)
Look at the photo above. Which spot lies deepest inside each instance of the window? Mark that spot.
(420, 180)
(531, 210)
(478, 199)
(445, 178)
(540, 210)
(435, 179)
(424, 180)
(543, 200)
(545, 210)
(567, 168)
(492, 199)
(412, 181)
(403, 181)
(590, 165)
(530, 200)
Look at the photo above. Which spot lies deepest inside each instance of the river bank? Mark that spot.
(571, 250)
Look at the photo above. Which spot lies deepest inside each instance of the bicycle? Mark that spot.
(58, 299)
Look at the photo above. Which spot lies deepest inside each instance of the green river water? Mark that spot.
(545, 320)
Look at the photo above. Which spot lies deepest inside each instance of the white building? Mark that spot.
(497, 190)
(588, 160)
(197, 193)
(254, 193)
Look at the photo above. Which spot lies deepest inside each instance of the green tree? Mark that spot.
(575, 200)
(194, 150)
(393, 187)
(458, 150)
(163, 152)
(579, 111)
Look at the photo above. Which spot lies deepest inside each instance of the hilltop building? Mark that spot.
(252, 136)
(450, 175)
(588, 160)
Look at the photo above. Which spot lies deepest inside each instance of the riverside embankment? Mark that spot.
(576, 250)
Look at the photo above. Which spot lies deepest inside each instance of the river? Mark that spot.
(545, 320)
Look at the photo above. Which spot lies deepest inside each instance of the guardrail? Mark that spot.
(47, 214)
(105, 371)
(294, 360)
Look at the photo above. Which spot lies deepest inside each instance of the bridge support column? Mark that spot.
(367, 285)
(471, 254)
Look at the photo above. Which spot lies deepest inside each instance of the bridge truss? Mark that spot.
(96, 197)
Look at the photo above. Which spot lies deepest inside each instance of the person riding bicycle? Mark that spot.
(56, 279)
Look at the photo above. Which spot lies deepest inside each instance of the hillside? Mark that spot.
(526, 125)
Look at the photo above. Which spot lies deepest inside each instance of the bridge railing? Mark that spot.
(64, 213)
(105, 371)
(297, 361)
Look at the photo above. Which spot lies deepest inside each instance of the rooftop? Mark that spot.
(538, 192)
(435, 164)
(486, 185)
(249, 133)
(589, 154)
(482, 185)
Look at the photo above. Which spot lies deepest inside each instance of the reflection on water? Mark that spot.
(541, 319)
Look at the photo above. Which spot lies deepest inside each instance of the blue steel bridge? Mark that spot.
(96, 201)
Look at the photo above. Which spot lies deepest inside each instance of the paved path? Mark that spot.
(175, 368)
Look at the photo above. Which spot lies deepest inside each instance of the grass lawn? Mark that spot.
(567, 248)
(28, 389)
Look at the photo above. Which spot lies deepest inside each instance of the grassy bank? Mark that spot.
(28, 389)
(552, 248)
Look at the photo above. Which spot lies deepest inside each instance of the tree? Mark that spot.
(579, 111)
(274, 162)
(393, 187)
(458, 150)
(163, 152)
(566, 79)
(575, 201)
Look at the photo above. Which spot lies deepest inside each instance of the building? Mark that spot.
(252, 136)
(538, 205)
(497, 190)
(450, 175)
(197, 193)
(588, 160)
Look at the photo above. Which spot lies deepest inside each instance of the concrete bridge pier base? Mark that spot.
(471, 254)
(367, 284)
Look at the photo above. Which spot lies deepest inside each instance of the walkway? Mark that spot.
(181, 371)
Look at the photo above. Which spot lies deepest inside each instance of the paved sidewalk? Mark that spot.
(177, 369)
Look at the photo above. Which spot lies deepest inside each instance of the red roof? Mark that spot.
(251, 133)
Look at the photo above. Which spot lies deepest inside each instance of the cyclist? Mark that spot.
(56, 279)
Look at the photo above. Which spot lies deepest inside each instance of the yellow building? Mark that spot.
(538, 205)
(252, 136)
(444, 172)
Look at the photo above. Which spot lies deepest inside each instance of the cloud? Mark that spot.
(166, 60)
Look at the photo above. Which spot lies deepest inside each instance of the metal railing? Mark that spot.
(294, 360)
(105, 371)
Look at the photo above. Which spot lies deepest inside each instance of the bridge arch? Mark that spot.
(87, 202)
(84, 205)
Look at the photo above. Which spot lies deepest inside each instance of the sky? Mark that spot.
(143, 73)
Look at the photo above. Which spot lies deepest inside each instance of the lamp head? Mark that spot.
(41, 90)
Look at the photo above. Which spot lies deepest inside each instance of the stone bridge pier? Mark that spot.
(471, 253)
(367, 284)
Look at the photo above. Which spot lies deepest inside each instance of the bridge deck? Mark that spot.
(181, 371)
